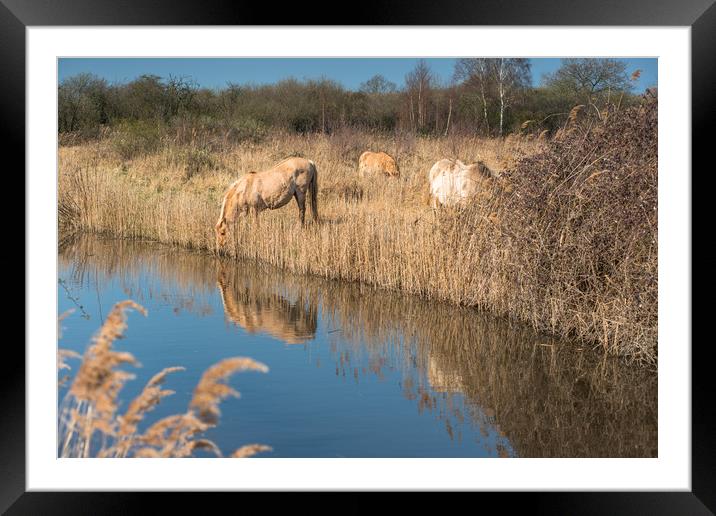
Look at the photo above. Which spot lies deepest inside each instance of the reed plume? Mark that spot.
(146, 401)
(250, 450)
(149, 398)
(90, 407)
(62, 355)
(98, 381)
(60, 318)
(573, 114)
(212, 388)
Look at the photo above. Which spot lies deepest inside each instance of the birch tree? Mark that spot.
(511, 77)
(418, 85)
(473, 73)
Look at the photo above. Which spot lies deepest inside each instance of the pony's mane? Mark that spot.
(284, 160)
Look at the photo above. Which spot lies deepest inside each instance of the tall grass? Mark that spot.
(539, 246)
(90, 424)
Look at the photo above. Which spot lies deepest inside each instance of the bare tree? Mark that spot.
(496, 81)
(178, 93)
(418, 85)
(511, 76)
(450, 91)
(586, 80)
(377, 85)
(82, 102)
(473, 73)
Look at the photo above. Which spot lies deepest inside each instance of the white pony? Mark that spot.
(452, 182)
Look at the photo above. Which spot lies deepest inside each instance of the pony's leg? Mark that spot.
(235, 232)
(435, 205)
(254, 214)
(301, 201)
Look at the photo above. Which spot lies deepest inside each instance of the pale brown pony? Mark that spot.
(377, 163)
(270, 189)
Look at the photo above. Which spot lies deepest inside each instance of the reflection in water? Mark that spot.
(443, 380)
(250, 302)
(543, 398)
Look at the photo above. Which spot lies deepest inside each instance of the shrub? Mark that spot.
(195, 161)
(247, 130)
(584, 216)
(84, 135)
(136, 138)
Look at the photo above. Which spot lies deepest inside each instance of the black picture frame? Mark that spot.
(17, 15)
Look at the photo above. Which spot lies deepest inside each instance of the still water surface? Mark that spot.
(354, 371)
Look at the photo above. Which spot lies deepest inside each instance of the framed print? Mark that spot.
(434, 251)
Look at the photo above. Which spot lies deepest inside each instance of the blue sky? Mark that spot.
(350, 72)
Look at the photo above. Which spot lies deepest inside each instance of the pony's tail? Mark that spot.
(313, 192)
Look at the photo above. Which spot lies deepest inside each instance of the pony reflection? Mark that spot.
(256, 307)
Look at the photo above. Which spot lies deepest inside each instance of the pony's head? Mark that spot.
(220, 230)
(482, 169)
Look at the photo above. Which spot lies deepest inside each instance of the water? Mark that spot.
(354, 371)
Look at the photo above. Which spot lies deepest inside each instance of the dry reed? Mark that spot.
(89, 425)
(212, 388)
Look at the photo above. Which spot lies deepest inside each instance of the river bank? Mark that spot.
(559, 245)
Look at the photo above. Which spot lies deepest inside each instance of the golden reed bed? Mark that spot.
(376, 230)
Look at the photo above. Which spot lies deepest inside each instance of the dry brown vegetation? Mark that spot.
(567, 242)
(90, 424)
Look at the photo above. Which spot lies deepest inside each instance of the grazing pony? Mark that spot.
(379, 163)
(270, 189)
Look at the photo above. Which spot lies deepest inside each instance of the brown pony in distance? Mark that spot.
(379, 163)
(270, 189)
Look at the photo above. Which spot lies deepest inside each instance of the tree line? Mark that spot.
(485, 96)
